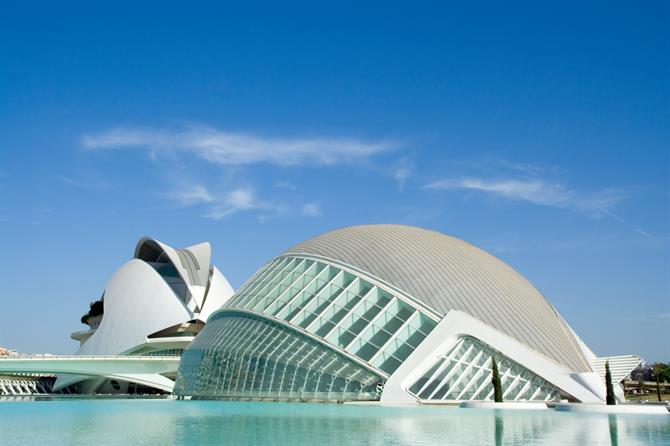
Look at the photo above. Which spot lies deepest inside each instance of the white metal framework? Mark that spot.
(620, 366)
(25, 385)
(347, 311)
(148, 371)
(464, 373)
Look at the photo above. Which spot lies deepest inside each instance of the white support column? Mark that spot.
(476, 375)
(443, 365)
(451, 372)
(523, 389)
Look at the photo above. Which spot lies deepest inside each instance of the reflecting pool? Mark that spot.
(168, 422)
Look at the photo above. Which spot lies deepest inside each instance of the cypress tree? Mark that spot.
(611, 401)
(658, 371)
(495, 380)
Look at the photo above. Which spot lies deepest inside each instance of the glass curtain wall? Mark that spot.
(241, 356)
(464, 373)
(337, 306)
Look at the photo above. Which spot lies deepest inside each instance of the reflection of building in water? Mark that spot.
(481, 426)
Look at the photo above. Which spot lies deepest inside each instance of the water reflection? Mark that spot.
(225, 423)
(614, 436)
(499, 429)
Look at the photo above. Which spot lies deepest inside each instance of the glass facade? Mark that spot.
(338, 307)
(243, 356)
(303, 329)
(464, 373)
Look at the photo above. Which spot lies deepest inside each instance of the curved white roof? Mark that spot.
(446, 273)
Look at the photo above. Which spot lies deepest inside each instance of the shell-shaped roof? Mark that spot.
(446, 273)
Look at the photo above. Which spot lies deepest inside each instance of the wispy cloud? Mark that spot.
(529, 168)
(285, 185)
(190, 195)
(239, 200)
(540, 192)
(218, 206)
(312, 210)
(84, 183)
(535, 191)
(401, 171)
(236, 149)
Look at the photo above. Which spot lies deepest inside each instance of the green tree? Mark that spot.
(662, 371)
(611, 400)
(658, 373)
(495, 380)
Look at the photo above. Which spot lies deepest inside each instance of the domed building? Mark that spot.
(392, 313)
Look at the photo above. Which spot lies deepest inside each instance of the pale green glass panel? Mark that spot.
(258, 359)
(271, 282)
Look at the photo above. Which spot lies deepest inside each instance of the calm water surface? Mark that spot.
(166, 422)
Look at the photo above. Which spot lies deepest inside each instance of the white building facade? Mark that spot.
(387, 313)
(154, 305)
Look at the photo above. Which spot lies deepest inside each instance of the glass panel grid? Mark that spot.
(464, 373)
(339, 307)
(259, 281)
(240, 356)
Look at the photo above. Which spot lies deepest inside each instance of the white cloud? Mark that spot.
(401, 171)
(190, 195)
(237, 201)
(228, 148)
(85, 182)
(529, 168)
(312, 210)
(535, 191)
(285, 185)
(542, 193)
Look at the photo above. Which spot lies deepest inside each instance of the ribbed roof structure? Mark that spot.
(445, 273)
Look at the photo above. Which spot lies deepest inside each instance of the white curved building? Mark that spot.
(391, 313)
(154, 305)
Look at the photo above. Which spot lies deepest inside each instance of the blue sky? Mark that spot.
(537, 132)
